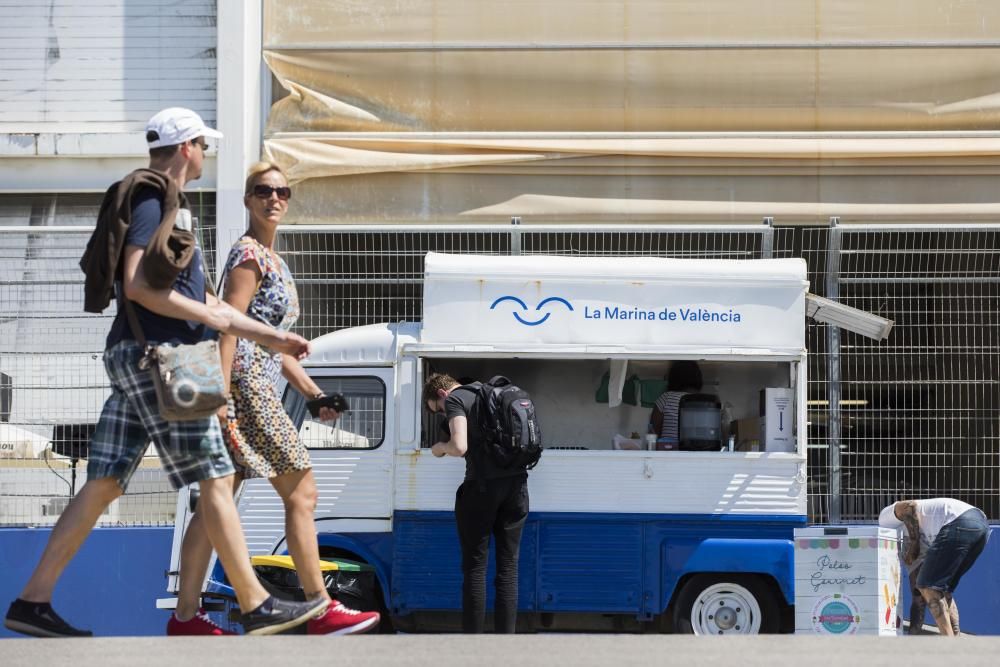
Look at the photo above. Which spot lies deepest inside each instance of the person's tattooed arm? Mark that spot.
(906, 511)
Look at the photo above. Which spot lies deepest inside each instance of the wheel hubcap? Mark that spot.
(726, 608)
(725, 618)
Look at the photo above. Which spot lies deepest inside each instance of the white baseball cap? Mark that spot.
(175, 126)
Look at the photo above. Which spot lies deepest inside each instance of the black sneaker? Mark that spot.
(275, 615)
(39, 619)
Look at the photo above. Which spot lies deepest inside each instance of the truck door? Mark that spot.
(352, 459)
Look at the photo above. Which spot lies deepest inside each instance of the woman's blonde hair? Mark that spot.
(257, 170)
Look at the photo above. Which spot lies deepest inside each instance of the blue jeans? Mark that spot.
(955, 549)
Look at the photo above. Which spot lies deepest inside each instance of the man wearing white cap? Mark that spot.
(191, 451)
(953, 533)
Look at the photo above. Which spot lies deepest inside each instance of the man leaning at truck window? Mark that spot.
(955, 533)
(490, 501)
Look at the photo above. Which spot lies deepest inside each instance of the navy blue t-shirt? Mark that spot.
(146, 214)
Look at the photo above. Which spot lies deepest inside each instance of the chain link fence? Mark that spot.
(52, 379)
(918, 412)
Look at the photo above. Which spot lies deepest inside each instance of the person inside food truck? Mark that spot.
(684, 377)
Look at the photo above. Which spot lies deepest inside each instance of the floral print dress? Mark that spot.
(261, 437)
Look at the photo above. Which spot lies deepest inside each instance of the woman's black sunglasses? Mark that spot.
(264, 192)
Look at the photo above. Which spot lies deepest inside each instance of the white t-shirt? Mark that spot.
(933, 514)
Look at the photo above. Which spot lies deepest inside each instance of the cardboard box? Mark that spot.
(777, 419)
(746, 433)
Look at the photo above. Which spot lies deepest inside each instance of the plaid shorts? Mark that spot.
(190, 451)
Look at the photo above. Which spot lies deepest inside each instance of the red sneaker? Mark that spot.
(199, 624)
(339, 620)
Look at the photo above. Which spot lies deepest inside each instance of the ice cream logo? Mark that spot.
(836, 615)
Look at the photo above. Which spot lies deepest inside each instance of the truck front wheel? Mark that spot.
(717, 604)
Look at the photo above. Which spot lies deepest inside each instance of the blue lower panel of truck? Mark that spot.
(581, 562)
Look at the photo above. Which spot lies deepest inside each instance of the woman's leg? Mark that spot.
(196, 552)
(298, 492)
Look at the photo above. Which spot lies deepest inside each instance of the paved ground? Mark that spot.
(523, 651)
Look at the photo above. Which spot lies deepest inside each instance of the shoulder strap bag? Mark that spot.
(188, 378)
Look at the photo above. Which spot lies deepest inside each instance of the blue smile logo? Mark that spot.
(538, 309)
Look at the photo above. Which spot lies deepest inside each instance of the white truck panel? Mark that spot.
(627, 482)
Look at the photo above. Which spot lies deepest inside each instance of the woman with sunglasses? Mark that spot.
(262, 439)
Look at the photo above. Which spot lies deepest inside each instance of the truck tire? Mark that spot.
(371, 599)
(721, 604)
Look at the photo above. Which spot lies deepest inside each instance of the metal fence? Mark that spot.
(917, 413)
(52, 380)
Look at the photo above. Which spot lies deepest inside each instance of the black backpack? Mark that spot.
(510, 428)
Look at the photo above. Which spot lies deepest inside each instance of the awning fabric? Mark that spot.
(444, 109)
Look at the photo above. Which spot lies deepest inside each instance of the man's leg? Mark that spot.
(474, 522)
(918, 609)
(507, 531)
(953, 613)
(918, 606)
(222, 525)
(939, 610)
(115, 449)
(73, 527)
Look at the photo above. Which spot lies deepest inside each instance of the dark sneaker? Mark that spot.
(275, 615)
(39, 619)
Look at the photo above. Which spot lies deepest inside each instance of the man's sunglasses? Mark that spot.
(264, 192)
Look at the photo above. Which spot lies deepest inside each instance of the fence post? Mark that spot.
(767, 239)
(515, 235)
(833, 374)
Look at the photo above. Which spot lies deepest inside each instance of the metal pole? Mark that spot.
(833, 374)
(767, 239)
(515, 235)
(691, 45)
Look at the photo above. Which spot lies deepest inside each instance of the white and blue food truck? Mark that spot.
(620, 537)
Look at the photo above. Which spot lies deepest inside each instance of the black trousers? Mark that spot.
(496, 507)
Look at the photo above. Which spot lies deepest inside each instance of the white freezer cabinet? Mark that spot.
(847, 580)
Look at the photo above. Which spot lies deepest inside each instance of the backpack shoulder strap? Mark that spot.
(474, 387)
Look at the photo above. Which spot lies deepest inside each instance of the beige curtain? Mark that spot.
(420, 110)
